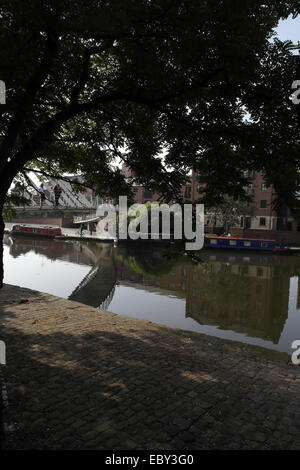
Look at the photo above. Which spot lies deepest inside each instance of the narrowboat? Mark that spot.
(257, 244)
(36, 231)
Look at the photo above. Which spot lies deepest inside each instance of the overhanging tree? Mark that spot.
(91, 81)
(228, 213)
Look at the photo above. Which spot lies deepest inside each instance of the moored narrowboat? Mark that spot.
(211, 241)
(36, 231)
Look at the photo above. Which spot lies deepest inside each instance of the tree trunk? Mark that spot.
(2, 225)
(6, 179)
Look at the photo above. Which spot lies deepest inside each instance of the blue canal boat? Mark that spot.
(211, 241)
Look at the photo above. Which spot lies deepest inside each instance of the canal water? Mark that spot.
(248, 297)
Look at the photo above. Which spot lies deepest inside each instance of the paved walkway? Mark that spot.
(81, 378)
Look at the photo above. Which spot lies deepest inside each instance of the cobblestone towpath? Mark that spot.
(81, 378)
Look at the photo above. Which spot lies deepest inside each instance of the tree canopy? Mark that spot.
(91, 81)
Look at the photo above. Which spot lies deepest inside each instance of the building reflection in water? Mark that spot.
(248, 294)
(245, 293)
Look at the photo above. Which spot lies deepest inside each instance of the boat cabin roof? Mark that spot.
(242, 239)
(35, 226)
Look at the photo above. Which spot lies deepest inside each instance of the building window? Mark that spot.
(199, 188)
(247, 243)
(249, 174)
(147, 194)
(262, 221)
(135, 189)
(263, 204)
(241, 317)
(232, 242)
(259, 272)
(263, 187)
(247, 222)
(188, 192)
(213, 241)
(250, 188)
(206, 308)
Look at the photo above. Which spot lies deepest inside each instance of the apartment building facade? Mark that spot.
(262, 222)
(142, 195)
(265, 221)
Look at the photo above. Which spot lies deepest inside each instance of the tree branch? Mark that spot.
(26, 103)
(50, 127)
(83, 78)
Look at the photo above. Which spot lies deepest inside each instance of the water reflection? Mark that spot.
(248, 297)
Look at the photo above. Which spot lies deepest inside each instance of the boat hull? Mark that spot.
(244, 244)
(33, 231)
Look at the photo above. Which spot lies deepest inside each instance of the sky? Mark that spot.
(289, 29)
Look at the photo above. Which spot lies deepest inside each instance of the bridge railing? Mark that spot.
(82, 218)
(96, 215)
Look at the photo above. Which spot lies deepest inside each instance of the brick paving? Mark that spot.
(81, 378)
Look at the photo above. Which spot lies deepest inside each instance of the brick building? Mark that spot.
(264, 222)
(143, 195)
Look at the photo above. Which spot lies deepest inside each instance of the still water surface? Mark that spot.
(254, 298)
